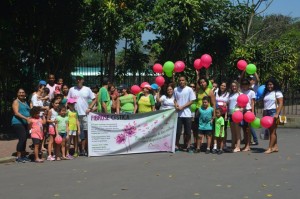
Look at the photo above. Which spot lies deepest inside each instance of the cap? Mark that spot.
(154, 86)
(42, 82)
(80, 76)
(252, 77)
(71, 101)
(122, 86)
(147, 86)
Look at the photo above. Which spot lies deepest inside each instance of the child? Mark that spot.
(61, 130)
(45, 97)
(51, 119)
(219, 132)
(74, 127)
(37, 134)
(205, 124)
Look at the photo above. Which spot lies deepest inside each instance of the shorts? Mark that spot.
(63, 135)
(205, 132)
(73, 132)
(36, 141)
(270, 112)
(51, 130)
(218, 135)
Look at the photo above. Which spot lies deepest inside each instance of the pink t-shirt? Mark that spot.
(37, 128)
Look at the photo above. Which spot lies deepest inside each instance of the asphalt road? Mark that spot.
(162, 175)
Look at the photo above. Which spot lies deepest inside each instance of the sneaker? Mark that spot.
(50, 158)
(26, 159)
(82, 153)
(220, 152)
(20, 160)
(70, 157)
(214, 151)
(75, 155)
(207, 151)
(254, 143)
(197, 151)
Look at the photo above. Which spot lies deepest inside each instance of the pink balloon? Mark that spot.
(242, 64)
(179, 66)
(58, 139)
(197, 64)
(249, 117)
(159, 80)
(206, 60)
(266, 121)
(143, 84)
(157, 68)
(135, 89)
(237, 116)
(242, 100)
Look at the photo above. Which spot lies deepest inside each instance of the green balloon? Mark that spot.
(169, 74)
(210, 85)
(251, 69)
(168, 67)
(256, 123)
(193, 107)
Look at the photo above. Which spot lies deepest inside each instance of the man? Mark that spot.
(51, 85)
(83, 95)
(104, 105)
(184, 97)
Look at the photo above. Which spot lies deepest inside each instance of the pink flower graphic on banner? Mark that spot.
(121, 138)
(129, 130)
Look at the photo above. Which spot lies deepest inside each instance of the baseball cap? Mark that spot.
(42, 82)
(71, 101)
(79, 76)
(252, 77)
(147, 86)
(154, 86)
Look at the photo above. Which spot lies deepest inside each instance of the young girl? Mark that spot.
(219, 132)
(37, 134)
(74, 127)
(205, 124)
(61, 130)
(51, 119)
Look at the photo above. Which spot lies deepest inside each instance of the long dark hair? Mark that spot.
(226, 91)
(205, 79)
(274, 82)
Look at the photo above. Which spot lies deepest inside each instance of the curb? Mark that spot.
(7, 159)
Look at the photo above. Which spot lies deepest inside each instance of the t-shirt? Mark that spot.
(219, 125)
(166, 102)
(103, 96)
(183, 96)
(127, 103)
(270, 99)
(200, 96)
(73, 116)
(251, 95)
(205, 118)
(37, 102)
(52, 89)
(62, 123)
(145, 103)
(37, 128)
(82, 96)
(24, 110)
(232, 101)
(221, 101)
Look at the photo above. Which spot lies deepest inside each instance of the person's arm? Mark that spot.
(67, 130)
(213, 102)
(78, 124)
(257, 78)
(279, 107)
(242, 76)
(44, 119)
(118, 106)
(252, 104)
(180, 108)
(56, 129)
(15, 107)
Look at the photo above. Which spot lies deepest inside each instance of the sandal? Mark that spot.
(58, 159)
(39, 161)
(246, 149)
(236, 150)
(268, 151)
(64, 158)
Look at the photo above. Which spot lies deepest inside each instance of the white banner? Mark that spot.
(110, 134)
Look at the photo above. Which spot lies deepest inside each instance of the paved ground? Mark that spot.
(162, 175)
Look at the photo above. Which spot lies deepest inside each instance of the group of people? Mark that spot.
(57, 114)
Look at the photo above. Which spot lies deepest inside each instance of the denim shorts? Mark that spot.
(270, 112)
(63, 135)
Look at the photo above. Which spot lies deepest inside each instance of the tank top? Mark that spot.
(200, 96)
(24, 110)
(54, 114)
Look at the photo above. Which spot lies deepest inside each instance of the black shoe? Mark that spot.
(254, 143)
(197, 151)
(20, 160)
(214, 151)
(220, 152)
(26, 159)
(207, 151)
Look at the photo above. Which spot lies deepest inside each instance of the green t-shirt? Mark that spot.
(145, 103)
(73, 116)
(62, 123)
(219, 125)
(127, 103)
(103, 96)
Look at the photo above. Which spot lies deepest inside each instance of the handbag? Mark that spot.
(281, 120)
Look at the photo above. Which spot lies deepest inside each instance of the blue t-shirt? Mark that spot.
(205, 118)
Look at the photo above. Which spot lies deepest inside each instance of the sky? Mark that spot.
(285, 7)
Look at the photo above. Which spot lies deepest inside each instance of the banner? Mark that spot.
(111, 134)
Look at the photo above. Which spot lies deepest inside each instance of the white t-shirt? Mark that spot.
(183, 96)
(232, 101)
(223, 99)
(52, 89)
(37, 102)
(270, 99)
(166, 103)
(82, 96)
(251, 95)
(255, 87)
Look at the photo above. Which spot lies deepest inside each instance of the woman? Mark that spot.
(245, 87)
(234, 127)
(20, 121)
(113, 92)
(166, 98)
(64, 91)
(146, 102)
(222, 97)
(126, 103)
(273, 103)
